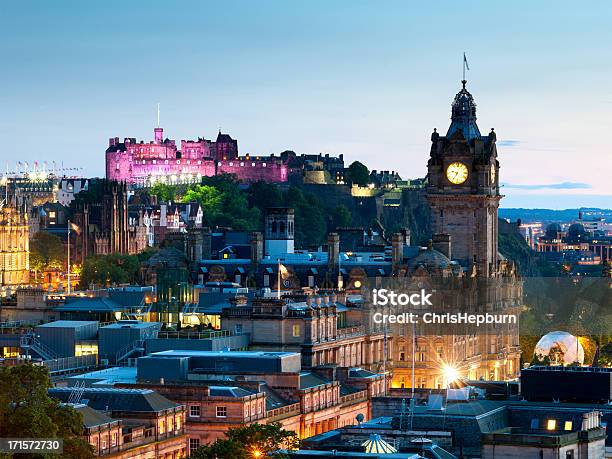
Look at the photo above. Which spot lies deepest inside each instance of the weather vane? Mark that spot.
(465, 67)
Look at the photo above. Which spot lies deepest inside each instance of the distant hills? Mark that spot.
(550, 215)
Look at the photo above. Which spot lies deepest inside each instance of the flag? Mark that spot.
(465, 62)
(284, 272)
(74, 227)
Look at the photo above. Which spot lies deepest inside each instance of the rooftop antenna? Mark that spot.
(158, 109)
(465, 67)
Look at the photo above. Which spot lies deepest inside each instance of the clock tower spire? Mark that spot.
(463, 190)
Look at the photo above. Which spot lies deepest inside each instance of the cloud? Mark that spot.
(508, 143)
(550, 186)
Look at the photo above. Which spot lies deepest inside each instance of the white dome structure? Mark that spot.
(562, 348)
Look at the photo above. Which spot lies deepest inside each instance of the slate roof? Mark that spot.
(134, 400)
(90, 304)
(93, 418)
(309, 380)
(229, 391)
(128, 298)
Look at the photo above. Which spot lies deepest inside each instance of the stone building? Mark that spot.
(14, 247)
(462, 263)
(106, 224)
(322, 330)
(227, 389)
(143, 164)
(136, 423)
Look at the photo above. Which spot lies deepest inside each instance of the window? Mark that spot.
(162, 427)
(194, 411)
(113, 439)
(238, 328)
(296, 330)
(569, 454)
(194, 443)
(551, 424)
(222, 411)
(568, 425)
(535, 423)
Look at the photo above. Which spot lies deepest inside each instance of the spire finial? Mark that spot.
(465, 67)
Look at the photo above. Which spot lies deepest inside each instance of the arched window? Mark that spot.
(282, 228)
(274, 227)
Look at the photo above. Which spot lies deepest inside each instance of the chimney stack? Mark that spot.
(333, 250)
(256, 247)
(442, 243)
(397, 249)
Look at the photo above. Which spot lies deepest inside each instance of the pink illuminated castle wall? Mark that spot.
(143, 163)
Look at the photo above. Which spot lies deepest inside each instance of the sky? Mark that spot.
(369, 79)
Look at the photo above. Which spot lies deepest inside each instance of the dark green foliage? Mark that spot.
(529, 263)
(255, 440)
(109, 269)
(46, 251)
(27, 411)
(340, 217)
(605, 355)
(358, 174)
(224, 203)
(163, 192)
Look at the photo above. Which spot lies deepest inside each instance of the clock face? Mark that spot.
(493, 175)
(457, 173)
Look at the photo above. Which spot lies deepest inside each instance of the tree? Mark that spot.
(109, 269)
(605, 355)
(163, 192)
(341, 217)
(224, 203)
(262, 440)
(46, 252)
(27, 411)
(358, 174)
(209, 197)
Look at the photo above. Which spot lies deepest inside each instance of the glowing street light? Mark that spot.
(256, 453)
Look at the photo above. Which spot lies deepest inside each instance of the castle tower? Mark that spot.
(463, 190)
(279, 227)
(158, 135)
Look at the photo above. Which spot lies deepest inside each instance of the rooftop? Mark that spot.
(130, 400)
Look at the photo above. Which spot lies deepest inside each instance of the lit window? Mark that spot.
(222, 411)
(296, 330)
(551, 424)
(568, 425)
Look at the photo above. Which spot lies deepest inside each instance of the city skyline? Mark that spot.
(359, 80)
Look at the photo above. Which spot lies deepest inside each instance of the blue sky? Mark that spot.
(367, 79)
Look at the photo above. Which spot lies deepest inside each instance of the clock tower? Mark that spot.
(463, 188)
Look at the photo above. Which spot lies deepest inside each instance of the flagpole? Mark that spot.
(278, 284)
(69, 285)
